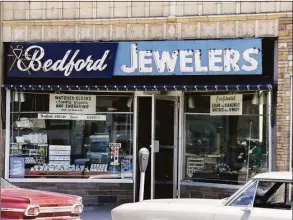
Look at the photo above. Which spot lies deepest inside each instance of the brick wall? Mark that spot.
(283, 93)
(205, 192)
(93, 194)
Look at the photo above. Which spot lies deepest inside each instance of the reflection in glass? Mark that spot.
(99, 149)
(247, 197)
(224, 148)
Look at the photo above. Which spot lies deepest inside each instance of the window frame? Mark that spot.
(8, 125)
(267, 114)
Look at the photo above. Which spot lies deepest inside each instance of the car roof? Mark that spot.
(274, 176)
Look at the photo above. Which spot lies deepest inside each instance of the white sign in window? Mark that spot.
(226, 104)
(72, 104)
(72, 117)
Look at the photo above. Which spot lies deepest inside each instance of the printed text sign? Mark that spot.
(72, 104)
(226, 104)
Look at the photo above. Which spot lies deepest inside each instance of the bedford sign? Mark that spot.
(61, 60)
(108, 59)
(68, 63)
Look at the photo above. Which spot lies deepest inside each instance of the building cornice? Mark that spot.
(171, 19)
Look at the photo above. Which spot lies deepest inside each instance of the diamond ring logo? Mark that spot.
(18, 54)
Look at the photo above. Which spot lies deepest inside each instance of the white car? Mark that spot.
(266, 196)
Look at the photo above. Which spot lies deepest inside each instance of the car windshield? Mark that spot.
(6, 184)
(227, 200)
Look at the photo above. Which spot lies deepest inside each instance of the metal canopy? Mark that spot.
(142, 87)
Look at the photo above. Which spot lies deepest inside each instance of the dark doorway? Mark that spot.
(144, 129)
(165, 157)
(164, 128)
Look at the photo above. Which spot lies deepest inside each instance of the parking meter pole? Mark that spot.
(141, 189)
(143, 163)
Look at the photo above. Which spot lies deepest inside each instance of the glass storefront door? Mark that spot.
(157, 129)
(164, 146)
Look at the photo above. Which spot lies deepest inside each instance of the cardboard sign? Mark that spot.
(72, 117)
(72, 104)
(17, 167)
(115, 147)
(226, 104)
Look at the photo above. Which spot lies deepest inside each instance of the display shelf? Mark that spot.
(66, 174)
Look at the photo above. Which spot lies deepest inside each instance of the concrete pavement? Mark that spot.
(97, 213)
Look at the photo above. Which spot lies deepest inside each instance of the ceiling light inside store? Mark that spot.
(22, 96)
(255, 99)
(129, 102)
(15, 96)
(191, 103)
(262, 98)
(258, 99)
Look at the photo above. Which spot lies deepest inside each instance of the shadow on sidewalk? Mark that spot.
(97, 213)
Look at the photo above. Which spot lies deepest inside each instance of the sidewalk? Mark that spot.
(97, 213)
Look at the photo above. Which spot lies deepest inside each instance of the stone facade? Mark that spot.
(283, 93)
(195, 27)
(92, 21)
(33, 10)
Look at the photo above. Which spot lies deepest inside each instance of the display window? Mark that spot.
(71, 135)
(226, 136)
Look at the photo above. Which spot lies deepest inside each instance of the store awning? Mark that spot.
(142, 87)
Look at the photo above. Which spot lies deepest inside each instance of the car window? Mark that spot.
(246, 198)
(273, 195)
(6, 184)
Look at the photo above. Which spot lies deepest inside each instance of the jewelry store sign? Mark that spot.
(72, 104)
(226, 104)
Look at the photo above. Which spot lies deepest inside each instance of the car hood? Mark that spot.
(41, 198)
(167, 209)
(215, 202)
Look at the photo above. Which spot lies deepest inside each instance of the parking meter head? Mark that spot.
(143, 159)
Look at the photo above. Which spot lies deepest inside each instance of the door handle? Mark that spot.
(245, 209)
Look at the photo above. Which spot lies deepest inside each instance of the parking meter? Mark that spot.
(143, 163)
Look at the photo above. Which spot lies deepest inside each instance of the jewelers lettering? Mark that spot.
(34, 54)
(218, 60)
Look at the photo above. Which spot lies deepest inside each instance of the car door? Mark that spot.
(240, 208)
(273, 199)
(257, 203)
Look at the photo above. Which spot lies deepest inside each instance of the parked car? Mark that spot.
(20, 203)
(266, 196)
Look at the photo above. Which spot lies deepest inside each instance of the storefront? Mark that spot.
(79, 112)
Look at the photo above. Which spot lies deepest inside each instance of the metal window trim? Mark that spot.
(69, 180)
(135, 121)
(181, 145)
(7, 133)
(97, 113)
(269, 127)
(153, 136)
(241, 190)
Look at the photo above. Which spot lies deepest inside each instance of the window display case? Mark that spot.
(83, 146)
(225, 147)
